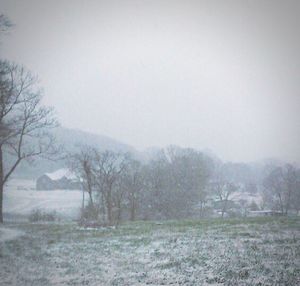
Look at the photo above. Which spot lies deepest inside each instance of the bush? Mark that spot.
(89, 212)
(90, 216)
(39, 215)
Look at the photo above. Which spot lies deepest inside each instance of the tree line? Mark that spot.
(121, 187)
(176, 183)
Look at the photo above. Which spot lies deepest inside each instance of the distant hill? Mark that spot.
(71, 139)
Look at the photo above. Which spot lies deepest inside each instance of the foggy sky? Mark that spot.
(222, 75)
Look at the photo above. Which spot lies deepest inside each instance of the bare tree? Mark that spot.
(24, 122)
(82, 164)
(133, 183)
(108, 169)
(5, 24)
(119, 198)
(190, 171)
(223, 189)
(175, 183)
(155, 188)
(282, 187)
(296, 193)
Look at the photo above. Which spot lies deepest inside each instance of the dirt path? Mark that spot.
(9, 234)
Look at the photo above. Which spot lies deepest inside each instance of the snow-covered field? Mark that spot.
(260, 251)
(20, 198)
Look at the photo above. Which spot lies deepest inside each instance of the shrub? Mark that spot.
(89, 212)
(39, 215)
(90, 216)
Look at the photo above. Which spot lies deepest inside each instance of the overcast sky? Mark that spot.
(222, 75)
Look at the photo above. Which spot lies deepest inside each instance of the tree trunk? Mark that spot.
(132, 210)
(109, 207)
(119, 211)
(91, 199)
(1, 203)
(281, 204)
(201, 208)
(103, 207)
(287, 205)
(83, 199)
(224, 208)
(1, 185)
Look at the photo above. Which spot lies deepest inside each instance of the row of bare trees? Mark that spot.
(119, 186)
(176, 183)
(107, 177)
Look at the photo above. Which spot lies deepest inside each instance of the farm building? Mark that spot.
(62, 179)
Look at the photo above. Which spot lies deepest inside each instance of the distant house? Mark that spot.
(62, 179)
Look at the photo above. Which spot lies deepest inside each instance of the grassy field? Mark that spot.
(260, 251)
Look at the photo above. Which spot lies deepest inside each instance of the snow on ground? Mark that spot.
(9, 234)
(214, 252)
(20, 198)
(20, 184)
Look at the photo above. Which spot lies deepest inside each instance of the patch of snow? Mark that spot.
(59, 174)
(20, 184)
(21, 202)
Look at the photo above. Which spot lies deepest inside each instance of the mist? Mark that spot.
(202, 74)
(149, 142)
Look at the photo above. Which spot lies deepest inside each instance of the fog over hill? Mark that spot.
(74, 138)
(71, 140)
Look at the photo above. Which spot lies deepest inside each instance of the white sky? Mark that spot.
(222, 75)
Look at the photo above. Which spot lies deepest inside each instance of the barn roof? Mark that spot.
(58, 174)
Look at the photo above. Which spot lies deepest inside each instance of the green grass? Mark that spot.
(252, 251)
